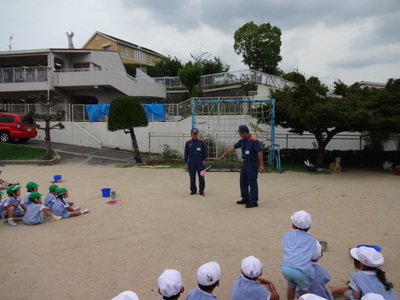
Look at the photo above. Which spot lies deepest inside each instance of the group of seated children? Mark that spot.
(31, 209)
(305, 277)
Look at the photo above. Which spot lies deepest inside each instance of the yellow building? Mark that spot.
(130, 53)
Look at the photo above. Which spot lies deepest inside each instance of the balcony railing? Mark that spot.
(23, 74)
(225, 78)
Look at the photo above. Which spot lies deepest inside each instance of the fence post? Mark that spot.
(149, 145)
(287, 141)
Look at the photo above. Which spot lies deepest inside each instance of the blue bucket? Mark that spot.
(106, 192)
(57, 178)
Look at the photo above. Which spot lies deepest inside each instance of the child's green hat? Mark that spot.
(13, 188)
(53, 187)
(61, 191)
(31, 185)
(34, 196)
(1, 193)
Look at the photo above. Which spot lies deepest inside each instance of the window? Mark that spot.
(126, 51)
(139, 55)
(106, 47)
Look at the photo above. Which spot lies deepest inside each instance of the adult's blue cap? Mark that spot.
(243, 128)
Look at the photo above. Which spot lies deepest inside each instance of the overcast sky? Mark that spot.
(350, 40)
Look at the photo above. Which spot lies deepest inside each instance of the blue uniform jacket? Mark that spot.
(250, 147)
(195, 147)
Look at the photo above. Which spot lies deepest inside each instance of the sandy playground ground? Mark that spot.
(127, 246)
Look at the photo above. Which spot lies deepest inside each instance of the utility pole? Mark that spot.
(9, 46)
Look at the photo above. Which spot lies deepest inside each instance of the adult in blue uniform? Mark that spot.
(252, 156)
(195, 158)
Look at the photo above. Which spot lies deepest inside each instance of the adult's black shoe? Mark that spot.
(242, 201)
(192, 193)
(250, 205)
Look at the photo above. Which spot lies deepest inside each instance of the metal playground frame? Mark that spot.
(217, 120)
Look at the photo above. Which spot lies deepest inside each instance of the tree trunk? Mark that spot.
(321, 154)
(47, 155)
(135, 146)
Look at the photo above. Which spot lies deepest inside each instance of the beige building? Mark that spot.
(130, 53)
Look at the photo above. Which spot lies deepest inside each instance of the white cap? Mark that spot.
(251, 267)
(372, 296)
(208, 274)
(301, 219)
(311, 297)
(368, 256)
(170, 283)
(317, 253)
(127, 295)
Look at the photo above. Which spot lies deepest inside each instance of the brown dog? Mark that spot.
(335, 166)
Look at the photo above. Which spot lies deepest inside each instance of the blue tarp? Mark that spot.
(155, 112)
(97, 111)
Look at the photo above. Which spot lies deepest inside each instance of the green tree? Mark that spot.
(47, 116)
(209, 66)
(126, 113)
(386, 107)
(189, 75)
(214, 66)
(169, 66)
(306, 108)
(295, 77)
(260, 46)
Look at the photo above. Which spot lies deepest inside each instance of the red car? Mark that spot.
(16, 126)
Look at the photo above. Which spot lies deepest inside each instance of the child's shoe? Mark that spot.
(85, 211)
(77, 208)
(12, 223)
(56, 218)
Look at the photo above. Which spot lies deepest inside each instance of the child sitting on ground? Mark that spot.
(250, 285)
(208, 276)
(35, 210)
(370, 278)
(31, 187)
(12, 205)
(322, 276)
(170, 284)
(62, 208)
(298, 247)
(51, 197)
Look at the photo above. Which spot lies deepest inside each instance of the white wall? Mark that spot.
(175, 134)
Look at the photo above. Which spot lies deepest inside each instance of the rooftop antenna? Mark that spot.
(70, 43)
(9, 46)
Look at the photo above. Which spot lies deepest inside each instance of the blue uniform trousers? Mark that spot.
(248, 180)
(195, 165)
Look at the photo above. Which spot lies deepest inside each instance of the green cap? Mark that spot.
(13, 188)
(53, 187)
(31, 185)
(1, 193)
(61, 191)
(34, 196)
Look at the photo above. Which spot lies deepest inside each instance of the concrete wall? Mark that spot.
(175, 134)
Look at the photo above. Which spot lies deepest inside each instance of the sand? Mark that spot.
(127, 246)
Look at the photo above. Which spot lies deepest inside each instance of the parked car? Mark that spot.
(16, 126)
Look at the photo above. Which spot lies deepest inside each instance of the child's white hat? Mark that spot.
(209, 273)
(170, 283)
(251, 267)
(301, 219)
(311, 297)
(372, 296)
(318, 252)
(368, 256)
(127, 295)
